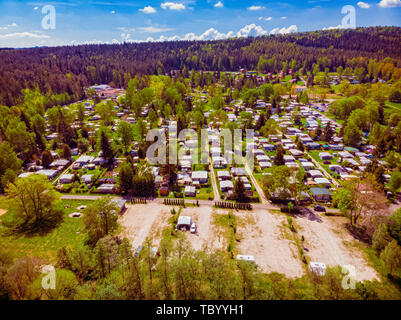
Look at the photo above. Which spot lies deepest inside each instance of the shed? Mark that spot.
(87, 178)
(184, 223)
(325, 156)
(106, 188)
(323, 181)
(190, 191)
(224, 175)
(66, 178)
(200, 176)
(317, 268)
(226, 186)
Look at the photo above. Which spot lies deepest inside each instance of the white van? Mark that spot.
(246, 258)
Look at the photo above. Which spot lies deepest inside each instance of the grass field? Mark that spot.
(68, 233)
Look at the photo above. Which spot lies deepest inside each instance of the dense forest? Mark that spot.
(67, 70)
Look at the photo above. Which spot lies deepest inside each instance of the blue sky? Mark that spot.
(106, 21)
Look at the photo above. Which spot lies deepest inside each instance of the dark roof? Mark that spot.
(320, 192)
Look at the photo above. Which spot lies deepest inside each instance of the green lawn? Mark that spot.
(68, 233)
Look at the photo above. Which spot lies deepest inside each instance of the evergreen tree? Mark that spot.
(279, 158)
(261, 122)
(126, 176)
(105, 146)
(239, 192)
(66, 152)
(47, 158)
(328, 132)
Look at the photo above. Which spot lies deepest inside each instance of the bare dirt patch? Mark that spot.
(2, 211)
(327, 241)
(209, 235)
(263, 236)
(142, 221)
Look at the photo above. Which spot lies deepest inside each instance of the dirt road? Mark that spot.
(214, 183)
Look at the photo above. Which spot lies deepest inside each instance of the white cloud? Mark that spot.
(251, 30)
(333, 28)
(211, 34)
(8, 26)
(153, 29)
(172, 6)
(266, 19)
(284, 30)
(23, 35)
(363, 5)
(125, 37)
(390, 3)
(113, 12)
(255, 8)
(219, 5)
(284, 18)
(36, 8)
(148, 10)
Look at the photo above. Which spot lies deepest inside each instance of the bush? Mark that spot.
(295, 210)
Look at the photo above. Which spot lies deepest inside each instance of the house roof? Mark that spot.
(226, 184)
(199, 175)
(184, 220)
(320, 192)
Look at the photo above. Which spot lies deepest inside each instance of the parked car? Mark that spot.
(319, 208)
(326, 162)
(193, 228)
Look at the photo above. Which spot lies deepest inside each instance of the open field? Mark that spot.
(260, 233)
(263, 235)
(68, 233)
(328, 241)
(209, 235)
(142, 221)
(266, 237)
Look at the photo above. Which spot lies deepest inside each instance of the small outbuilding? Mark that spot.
(184, 223)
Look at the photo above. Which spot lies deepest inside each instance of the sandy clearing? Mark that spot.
(328, 241)
(263, 236)
(2, 211)
(208, 236)
(142, 221)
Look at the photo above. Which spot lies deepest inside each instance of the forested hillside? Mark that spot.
(69, 69)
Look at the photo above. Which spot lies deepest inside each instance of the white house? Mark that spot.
(66, 178)
(190, 191)
(200, 176)
(226, 186)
